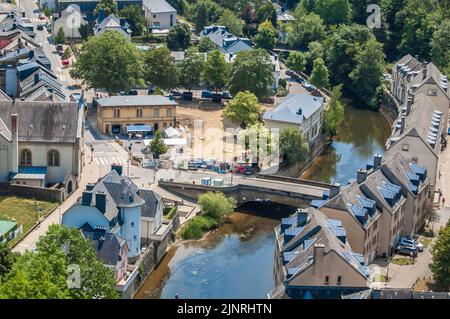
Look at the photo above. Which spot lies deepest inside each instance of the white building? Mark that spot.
(302, 111)
(41, 143)
(112, 23)
(70, 21)
(160, 15)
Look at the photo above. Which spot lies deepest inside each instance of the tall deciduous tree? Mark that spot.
(296, 61)
(215, 70)
(305, 29)
(252, 71)
(333, 11)
(319, 74)
(441, 258)
(231, 21)
(205, 44)
(293, 146)
(333, 113)
(160, 69)
(190, 69)
(6, 260)
(203, 13)
(133, 15)
(60, 37)
(157, 145)
(107, 6)
(179, 37)
(267, 36)
(110, 61)
(267, 12)
(440, 46)
(243, 108)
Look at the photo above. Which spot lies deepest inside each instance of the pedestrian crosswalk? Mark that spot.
(34, 20)
(109, 160)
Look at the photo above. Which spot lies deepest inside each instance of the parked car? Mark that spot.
(269, 100)
(207, 94)
(65, 62)
(226, 95)
(406, 250)
(41, 16)
(292, 74)
(133, 92)
(308, 86)
(59, 47)
(411, 242)
(192, 166)
(176, 93)
(300, 79)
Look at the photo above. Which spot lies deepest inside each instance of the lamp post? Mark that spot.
(129, 157)
(92, 153)
(387, 271)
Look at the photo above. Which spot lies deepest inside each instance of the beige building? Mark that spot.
(41, 143)
(115, 113)
(313, 258)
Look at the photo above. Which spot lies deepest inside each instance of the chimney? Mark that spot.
(36, 78)
(377, 158)
(118, 168)
(100, 201)
(86, 198)
(319, 252)
(402, 123)
(408, 105)
(424, 70)
(15, 143)
(90, 186)
(335, 189)
(361, 175)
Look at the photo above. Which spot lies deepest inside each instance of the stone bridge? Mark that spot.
(280, 190)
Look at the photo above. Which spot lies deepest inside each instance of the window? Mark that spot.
(405, 147)
(164, 124)
(327, 280)
(134, 237)
(139, 113)
(116, 113)
(53, 158)
(156, 112)
(171, 20)
(169, 112)
(25, 157)
(339, 281)
(432, 92)
(154, 16)
(132, 224)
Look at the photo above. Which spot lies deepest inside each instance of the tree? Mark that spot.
(248, 14)
(179, 37)
(267, 36)
(215, 70)
(205, 45)
(110, 61)
(315, 50)
(266, 12)
(179, 5)
(160, 69)
(85, 31)
(107, 6)
(367, 75)
(293, 147)
(441, 258)
(47, 12)
(319, 75)
(133, 15)
(305, 29)
(203, 13)
(190, 69)
(252, 71)
(6, 260)
(243, 108)
(258, 140)
(333, 11)
(67, 53)
(333, 113)
(440, 45)
(296, 61)
(44, 273)
(157, 145)
(60, 37)
(216, 205)
(231, 21)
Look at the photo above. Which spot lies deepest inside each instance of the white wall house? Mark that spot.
(160, 15)
(70, 21)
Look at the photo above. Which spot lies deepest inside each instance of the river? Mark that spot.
(236, 261)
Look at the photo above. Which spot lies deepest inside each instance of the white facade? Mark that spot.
(159, 14)
(47, 3)
(131, 229)
(70, 21)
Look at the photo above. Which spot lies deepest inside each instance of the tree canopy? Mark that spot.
(107, 6)
(60, 37)
(333, 113)
(215, 70)
(231, 21)
(190, 69)
(267, 36)
(441, 258)
(306, 27)
(319, 75)
(205, 44)
(216, 205)
(179, 37)
(333, 11)
(243, 108)
(266, 12)
(203, 13)
(296, 61)
(293, 146)
(160, 69)
(109, 61)
(157, 145)
(133, 15)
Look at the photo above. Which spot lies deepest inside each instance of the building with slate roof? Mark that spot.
(41, 143)
(112, 23)
(313, 258)
(161, 16)
(226, 41)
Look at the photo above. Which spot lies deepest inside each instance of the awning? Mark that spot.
(31, 172)
(139, 128)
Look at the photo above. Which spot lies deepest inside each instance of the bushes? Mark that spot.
(197, 226)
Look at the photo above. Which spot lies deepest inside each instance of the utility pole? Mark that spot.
(129, 157)
(92, 153)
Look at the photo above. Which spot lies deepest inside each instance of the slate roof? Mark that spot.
(225, 40)
(150, 208)
(295, 109)
(135, 100)
(158, 6)
(106, 245)
(43, 121)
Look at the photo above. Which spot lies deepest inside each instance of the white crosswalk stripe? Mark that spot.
(108, 160)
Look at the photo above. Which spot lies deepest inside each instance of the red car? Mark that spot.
(65, 62)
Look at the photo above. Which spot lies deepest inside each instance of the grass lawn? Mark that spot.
(425, 241)
(23, 211)
(379, 278)
(402, 261)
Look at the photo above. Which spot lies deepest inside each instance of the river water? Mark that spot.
(236, 261)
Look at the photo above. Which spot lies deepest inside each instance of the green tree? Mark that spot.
(47, 12)
(67, 53)
(267, 36)
(296, 61)
(110, 61)
(43, 274)
(190, 69)
(231, 21)
(179, 37)
(266, 12)
(60, 37)
(216, 205)
(85, 31)
(319, 74)
(440, 45)
(205, 45)
(334, 112)
(107, 6)
(133, 15)
(441, 258)
(160, 69)
(157, 145)
(6, 260)
(252, 71)
(333, 11)
(243, 108)
(259, 137)
(179, 5)
(305, 29)
(293, 147)
(203, 13)
(215, 70)
(367, 75)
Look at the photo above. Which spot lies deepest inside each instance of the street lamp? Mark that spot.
(129, 157)
(92, 153)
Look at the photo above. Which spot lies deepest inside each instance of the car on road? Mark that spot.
(226, 95)
(292, 74)
(407, 250)
(308, 86)
(41, 16)
(176, 93)
(300, 79)
(206, 94)
(411, 242)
